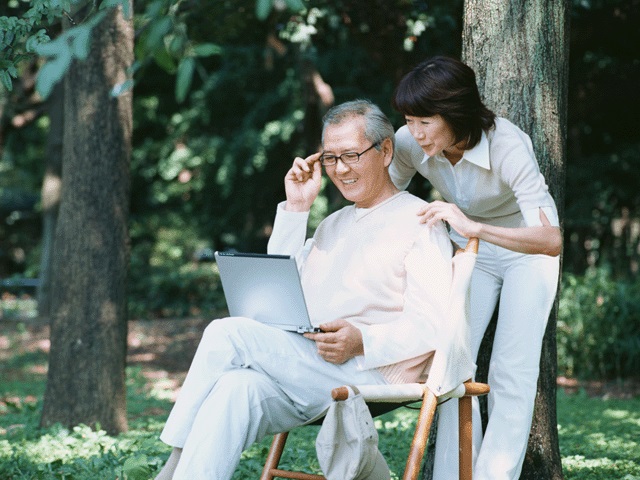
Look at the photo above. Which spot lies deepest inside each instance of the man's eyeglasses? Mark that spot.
(347, 158)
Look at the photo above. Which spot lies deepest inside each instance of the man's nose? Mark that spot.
(342, 167)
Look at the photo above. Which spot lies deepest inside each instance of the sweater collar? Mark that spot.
(362, 212)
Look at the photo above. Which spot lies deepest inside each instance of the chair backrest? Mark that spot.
(453, 363)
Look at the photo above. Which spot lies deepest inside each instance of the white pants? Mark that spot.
(526, 287)
(246, 381)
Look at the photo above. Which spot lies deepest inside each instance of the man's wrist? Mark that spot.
(296, 207)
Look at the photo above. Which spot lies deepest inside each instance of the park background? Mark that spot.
(215, 130)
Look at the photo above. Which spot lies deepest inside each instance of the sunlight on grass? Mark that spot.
(598, 437)
(395, 431)
(14, 307)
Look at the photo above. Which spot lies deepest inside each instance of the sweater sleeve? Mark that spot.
(416, 331)
(289, 233)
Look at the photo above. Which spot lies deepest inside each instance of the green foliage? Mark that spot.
(221, 156)
(263, 7)
(598, 333)
(167, 279)
(602, 225)
(80, 453)
(163, 38)
(21, 36)
(21, 171)
(603, 171)
(218, 117)
(597, 442)
(598, 438)
(73, 44)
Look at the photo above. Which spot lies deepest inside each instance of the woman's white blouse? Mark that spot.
(497, 182)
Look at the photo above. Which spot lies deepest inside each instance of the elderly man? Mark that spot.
(376, 282)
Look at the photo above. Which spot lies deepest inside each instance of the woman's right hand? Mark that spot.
(450, 213)
(302, 183)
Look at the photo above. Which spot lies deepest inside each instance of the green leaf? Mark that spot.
(184, 77)
(157, 31)
(164, 60)
(52, 72)
(126, 11)
(8, 37)
(207, 49)
(122, 88)
(263, 9)
(175, 45)
(6, 80)
(136, 468)
(154, 9)
(53, 48)
(295, 5)
(33, 41)
(81, 42)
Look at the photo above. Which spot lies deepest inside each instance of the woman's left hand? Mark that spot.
(450, 213)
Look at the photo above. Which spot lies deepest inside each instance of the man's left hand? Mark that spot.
(339, 341)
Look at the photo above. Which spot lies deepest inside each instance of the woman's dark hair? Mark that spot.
(447, 87)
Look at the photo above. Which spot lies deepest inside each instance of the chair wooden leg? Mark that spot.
(420, 436)
(275, 453)
(465, 447)
(271, 470)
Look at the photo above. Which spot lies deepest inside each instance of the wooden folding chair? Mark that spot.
(438, 387)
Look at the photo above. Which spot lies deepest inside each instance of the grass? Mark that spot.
(599, 437)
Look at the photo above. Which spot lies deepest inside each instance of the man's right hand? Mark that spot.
(302, 183)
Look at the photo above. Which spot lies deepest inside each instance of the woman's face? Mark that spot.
(433, 134)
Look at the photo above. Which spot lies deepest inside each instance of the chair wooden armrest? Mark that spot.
(408, 392)
(418, 391)
(400, 394)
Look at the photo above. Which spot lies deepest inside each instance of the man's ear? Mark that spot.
(387, 148)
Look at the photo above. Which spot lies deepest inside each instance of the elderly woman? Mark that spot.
(485, 169)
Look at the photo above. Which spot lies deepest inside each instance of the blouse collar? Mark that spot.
(478, 155)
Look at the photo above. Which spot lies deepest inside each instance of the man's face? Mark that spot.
(365, 183)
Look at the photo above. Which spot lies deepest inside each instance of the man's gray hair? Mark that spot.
(377, 125)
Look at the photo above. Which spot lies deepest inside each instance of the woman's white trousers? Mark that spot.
(525, 286)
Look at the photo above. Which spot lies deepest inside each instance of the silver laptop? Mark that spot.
(265, 288)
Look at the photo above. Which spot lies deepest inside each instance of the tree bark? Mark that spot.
(519, 51)
(51, 192)
(86, 378)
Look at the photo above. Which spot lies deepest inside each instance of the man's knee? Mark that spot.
(246, 386)
(224, 327)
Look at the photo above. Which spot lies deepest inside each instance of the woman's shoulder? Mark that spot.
(505, 129)
(507, 137)
(405, 144)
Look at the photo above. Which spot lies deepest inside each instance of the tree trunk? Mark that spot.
(519, 51)
(51, 191)
(86, 379)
